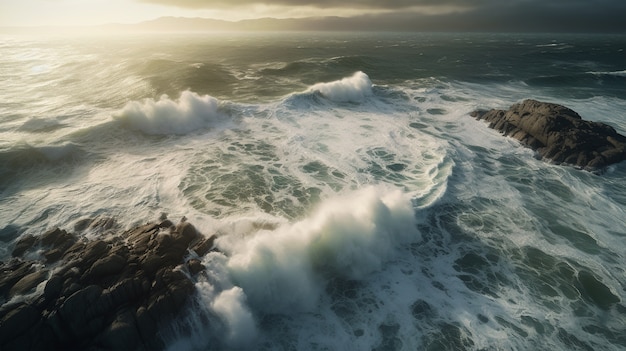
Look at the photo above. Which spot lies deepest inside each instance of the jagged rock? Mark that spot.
(558, 134)
(106, 266)
(55, 237)
(53, 287)
(99, 223)
(17, 321)
(12, 272)
(28, 283)
(195, 266)
(203, 246)
(103, 294)
(56, 241)
(25, 243)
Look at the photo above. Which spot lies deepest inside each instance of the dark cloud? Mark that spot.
(356, 4)
(479, 15)
(551, 15)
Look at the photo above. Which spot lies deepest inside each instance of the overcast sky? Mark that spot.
(558, 15)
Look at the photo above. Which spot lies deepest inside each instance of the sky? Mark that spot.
(581, 15)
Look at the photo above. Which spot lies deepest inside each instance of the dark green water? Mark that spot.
(357, 203)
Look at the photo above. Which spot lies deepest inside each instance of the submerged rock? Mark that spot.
(100, 294)
(558, 134)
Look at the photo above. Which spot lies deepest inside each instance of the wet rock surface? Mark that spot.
(558, 134)
(100, 294)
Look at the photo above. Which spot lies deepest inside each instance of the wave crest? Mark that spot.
(355, 88)
(281, 270)
(165, 116)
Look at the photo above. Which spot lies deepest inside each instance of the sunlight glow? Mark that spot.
(96, 12)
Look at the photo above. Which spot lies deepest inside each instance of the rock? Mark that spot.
(187, 232)
(53, 255)
(106, 266)
(17, 322)
(28, 282)
(78, 312)
(558, 134)
(53, 287)
(54, 237)
(24, 244)
(13, 272)
(104, 294)
(82, 224)
(166, 224)
(204, 246)
(122, 334)
(103, 223)
(195, 266)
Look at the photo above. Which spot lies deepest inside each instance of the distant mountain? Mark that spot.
(182, 24)
(384, 22)
(494, 21)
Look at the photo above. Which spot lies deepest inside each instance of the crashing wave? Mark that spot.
(355, 88)
(166, 116)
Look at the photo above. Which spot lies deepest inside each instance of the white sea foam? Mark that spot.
(355, 88)
(283, 270)
(230, 305)
(483, 204)
(614, 73)
(166, 116)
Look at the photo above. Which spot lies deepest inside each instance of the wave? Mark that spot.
(348, 236)
(285, 268)
(586, 84)
(355, 88)
(166, 116)
(614, 73)
(25, 155)
(40, 125)
(20, 159)
(581, 79)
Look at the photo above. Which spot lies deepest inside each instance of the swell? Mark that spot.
(610, 83)
(24, 157)
(171, 77)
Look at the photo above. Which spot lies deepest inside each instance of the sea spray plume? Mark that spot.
(231, 306)
(351, 89)
(283, 270)
(165, 116)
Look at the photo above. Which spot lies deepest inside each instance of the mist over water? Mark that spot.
(356, 204)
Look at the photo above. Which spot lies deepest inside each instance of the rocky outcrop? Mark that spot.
(558, 134)
(112, 294)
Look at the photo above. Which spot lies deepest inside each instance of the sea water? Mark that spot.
(357, 205)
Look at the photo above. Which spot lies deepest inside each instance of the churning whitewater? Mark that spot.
(356, 205)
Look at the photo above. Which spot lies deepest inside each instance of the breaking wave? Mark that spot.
(166, 116)
(285, 269)
(355, 88)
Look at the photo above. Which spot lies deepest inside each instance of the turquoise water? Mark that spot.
(357, 204)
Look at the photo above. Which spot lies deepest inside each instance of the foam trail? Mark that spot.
(351, 89)
(282, 270)
(615, 73)
(165, 116)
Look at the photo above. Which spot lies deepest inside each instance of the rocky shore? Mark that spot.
(558, 134)
(61, 291)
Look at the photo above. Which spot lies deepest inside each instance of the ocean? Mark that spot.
(357, 205)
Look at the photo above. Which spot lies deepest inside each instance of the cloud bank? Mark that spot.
(362, 4)
(440, 15)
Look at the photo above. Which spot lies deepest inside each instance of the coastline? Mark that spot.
(63, 291)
